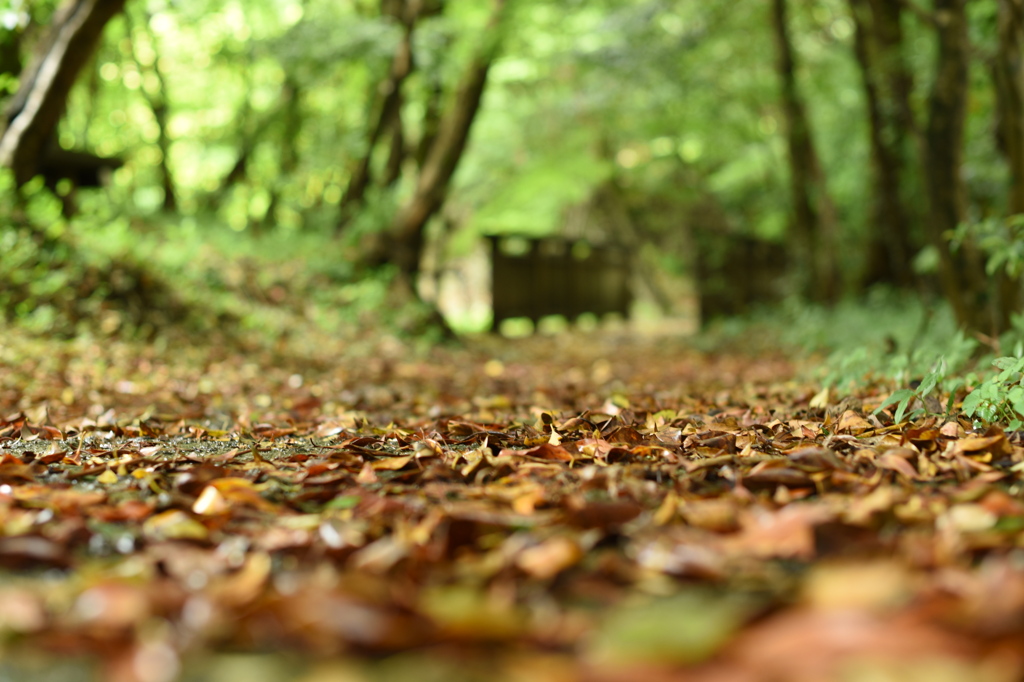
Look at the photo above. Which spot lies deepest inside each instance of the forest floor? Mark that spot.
(589, 507)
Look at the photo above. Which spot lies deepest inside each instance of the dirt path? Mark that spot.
(568, 508)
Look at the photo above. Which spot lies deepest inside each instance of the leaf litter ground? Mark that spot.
(580, 507)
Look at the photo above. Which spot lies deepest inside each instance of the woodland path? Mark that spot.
(580, 507)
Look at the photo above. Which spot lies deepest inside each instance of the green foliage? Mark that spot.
(110, 274)
(530, 203)
(32, 279)
(583, 91)
(1000, 239)
(897, 341)
(954, 353)
(1000, 397)
(49, 284)
(678, 102)
(926, 388)
(886, 334)
(893, 342)
(997, 389)
(270, 283)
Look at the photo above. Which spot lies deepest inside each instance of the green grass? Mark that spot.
(117, 273)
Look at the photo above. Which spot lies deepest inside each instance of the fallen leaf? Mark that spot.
(210, 501)
(108, 477)
(684, 629)
(549, 558)
(173, 524)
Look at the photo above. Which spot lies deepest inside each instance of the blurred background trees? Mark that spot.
(739, 152)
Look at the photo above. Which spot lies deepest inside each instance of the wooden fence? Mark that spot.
(538, 277)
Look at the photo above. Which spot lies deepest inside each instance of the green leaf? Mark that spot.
(971, 403)
(683, 629)
(1015, 397)
(1010, 363)
(901, 408)
(932, 379)
(903, 395)
(343, 502)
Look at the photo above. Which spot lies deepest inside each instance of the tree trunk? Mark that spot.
(396, 155)
(388, 118)
(443, 158)
(158, 105)
(32, 116)
(962, 279)
(1007, 69)
(288, 159)
(431, 120)
(814, 217)
(878, 47)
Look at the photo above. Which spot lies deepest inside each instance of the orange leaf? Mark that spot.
(549, 558)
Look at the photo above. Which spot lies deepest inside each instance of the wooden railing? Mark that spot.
(535, 278)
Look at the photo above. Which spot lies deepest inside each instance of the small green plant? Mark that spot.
(926, 393)
(1000, 398)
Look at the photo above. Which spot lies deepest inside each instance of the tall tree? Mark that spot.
(388, 108)
(895, 141)
(446, 151)
(813, 213)
(961, 275)
(32, 115)
(288, 156)
(157, 100)
(1007, 67)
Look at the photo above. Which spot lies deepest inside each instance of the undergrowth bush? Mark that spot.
(897, 345)
(49, 284)
(999, 397)
(116, 272)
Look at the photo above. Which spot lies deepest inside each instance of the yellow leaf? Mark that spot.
(244, 585)
(210, 501)
(241, 491)
(173, 525)
(391, 463)
(108, 477)
(668, 509)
